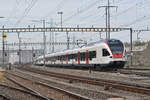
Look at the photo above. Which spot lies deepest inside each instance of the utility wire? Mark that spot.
(15, 8)
(126, 10)
(81, 10)
(134, 22)
(27, 10)
(13, 11)
(57, 8)
(140, 19)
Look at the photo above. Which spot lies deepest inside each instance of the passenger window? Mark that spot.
(105, 52)
(83, 56)
(92, 54)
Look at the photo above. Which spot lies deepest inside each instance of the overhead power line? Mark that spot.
(128, 9)
(81, 10)
(14, 9)
(27, 10)
(134, 22)
(57, 8)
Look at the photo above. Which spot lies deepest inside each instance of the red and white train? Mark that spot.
(103, 54)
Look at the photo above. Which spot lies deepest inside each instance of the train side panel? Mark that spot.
(99, 55)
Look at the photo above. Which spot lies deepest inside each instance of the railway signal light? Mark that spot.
(4, 36)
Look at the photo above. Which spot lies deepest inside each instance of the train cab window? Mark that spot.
(105, 52)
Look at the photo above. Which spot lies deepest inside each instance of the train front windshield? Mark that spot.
(116, 46)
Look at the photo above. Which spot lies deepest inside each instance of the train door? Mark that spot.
(96, 56)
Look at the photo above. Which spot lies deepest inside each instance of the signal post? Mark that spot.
(3, 41)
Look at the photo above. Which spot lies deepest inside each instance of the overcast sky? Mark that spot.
(85, 13)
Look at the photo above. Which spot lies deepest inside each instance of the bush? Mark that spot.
(137, 43)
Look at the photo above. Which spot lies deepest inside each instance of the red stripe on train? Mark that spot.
(66, 59)
(78, 57)
(87, 57)
(117, 55)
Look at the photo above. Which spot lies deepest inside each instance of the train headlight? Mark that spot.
(111, 57)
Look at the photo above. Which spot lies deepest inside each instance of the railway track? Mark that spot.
(94, 81)
(3, 97)
(48, 88)
(30, 90)
(11, 93)
(134, 71)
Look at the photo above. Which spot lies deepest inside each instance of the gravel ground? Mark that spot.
(16, 95)
(97, 90)
(10, 83)
(91, 93)
(101, 75)
(30, 84)
(50, 93)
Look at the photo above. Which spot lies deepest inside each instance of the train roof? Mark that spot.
(102, 41)
(90, 45)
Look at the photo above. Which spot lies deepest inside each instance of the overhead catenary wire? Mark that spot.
(139, 19)
(26, 11)
(95, 19)
(57, 8)
(81, 10)
(15, 8)
(127, 9)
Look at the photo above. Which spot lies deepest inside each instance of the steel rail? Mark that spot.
(126, 71)
(65, 76)
(4, 97)
(79, 97)
(55, 88)
(143, 69)
(23, 91)
(93, 81)
(29, 89)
